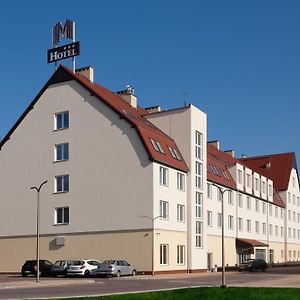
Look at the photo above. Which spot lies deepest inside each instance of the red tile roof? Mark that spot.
(220, 160)
(253, 243)
(145, 128)
(277, 167)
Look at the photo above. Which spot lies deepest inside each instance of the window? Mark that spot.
(249, 203)
(240, 224)
(199, 172)
(289, 215)
(230, 222)
(164, 254)
(281, 231)
(298, 218)
(281, 213)
(220, 220)
(289, 233)
(180, 254)
(199, 200)
(164, 209)
(270, 190)
(62, 215)
(248, 180)
(163, 176)
(264, 228)
(209, 193)
(240, 200)
(156, 145)
(219, 194)
(256, 205)
(256, 184)
(62, 183)
(276, 211)
(289, 197)
(199, 226)
(248, 225)
(294, 216)
(174, 153)
(271, 229)
(256, 227)
(240, 179)
(294, 182)
(198, 143)
(61, 120)
(264, 208)
(209, 218)
(214, 169)
(298, 201)
(180, 181)
(294, 199)
(270, 209)
(230, 197)
(225, 174)
(276, 230)
(61, 152)
(180, 213)
(263, 187)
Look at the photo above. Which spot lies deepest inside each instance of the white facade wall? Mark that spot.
(181, 125)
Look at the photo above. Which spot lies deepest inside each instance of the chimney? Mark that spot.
(87, 72)
(153, 109)
(215, 143)
(128, 96)
(268, 165)
(230, 152)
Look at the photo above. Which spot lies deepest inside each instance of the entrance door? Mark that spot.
(209, 261)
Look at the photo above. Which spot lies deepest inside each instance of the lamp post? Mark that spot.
(223, 285)
(38, 229)
(152, 220)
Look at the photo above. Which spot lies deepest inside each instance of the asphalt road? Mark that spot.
(16, 287)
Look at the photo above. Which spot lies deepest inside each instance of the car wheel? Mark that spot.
(118, 274)
(87, 273)
(133, 272)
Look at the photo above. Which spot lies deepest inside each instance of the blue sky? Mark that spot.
(237, 60)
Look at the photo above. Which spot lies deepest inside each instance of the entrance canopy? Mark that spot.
(247, 245)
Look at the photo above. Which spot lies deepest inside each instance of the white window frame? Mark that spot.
(180, 213)
(164, 209)
(240, 224)
(65, 219)
(209, 218)
(164, 254)
(180, 181)
(220, 220)
(248, 225)
(198, 145)
(199, 205)
(248, 203)
(230, 222)
(209, 190)
(65, 122)
(199, 175)
(163, 176)
(199, 234)
(180, 255)
(257, 227)
(63, 150)
(63, 178)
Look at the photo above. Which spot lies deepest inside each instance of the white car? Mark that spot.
(83, 267)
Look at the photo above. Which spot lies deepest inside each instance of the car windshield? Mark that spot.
(109, 262)
(78, 262)
(59, 263)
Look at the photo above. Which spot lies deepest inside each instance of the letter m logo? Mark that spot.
(60, 32)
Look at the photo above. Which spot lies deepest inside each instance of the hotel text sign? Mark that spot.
(63, 52)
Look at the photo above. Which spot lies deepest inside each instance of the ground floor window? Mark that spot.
(260, 254)
(180, 254)
(164, 254)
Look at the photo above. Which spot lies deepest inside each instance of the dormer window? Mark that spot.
(214, 169)
(174, 153)
(224, 173)
(157, 146)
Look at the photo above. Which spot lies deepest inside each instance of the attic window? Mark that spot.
(224, 173)
(157, 146)
(214, 169)
(174, 153)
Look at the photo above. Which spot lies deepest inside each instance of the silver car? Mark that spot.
(115, 268)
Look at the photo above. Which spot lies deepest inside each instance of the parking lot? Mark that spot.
(17, 287)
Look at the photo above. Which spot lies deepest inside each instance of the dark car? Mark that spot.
(253, 265)
(60, 267)
(30, 267)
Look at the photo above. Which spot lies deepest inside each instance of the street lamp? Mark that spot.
(223, 285)
(152, 219)
(38, 229)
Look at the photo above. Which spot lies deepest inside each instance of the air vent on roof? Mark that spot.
(87, 72)
(230, 152)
